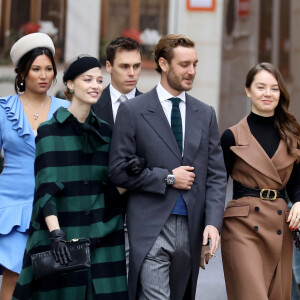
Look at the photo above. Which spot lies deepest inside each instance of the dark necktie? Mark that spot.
(176, 123)
(176, 126)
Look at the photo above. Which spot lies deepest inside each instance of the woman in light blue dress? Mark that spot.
(20, 116)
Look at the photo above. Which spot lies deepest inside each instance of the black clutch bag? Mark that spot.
(44, 263)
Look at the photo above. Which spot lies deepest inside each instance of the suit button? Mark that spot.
(279, 232)
(256, 208)
(87, 212)
(279, 211)
(85, 181)
(255, 228)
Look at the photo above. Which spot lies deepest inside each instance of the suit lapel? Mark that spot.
(193, 130)
(156, 118)
(252, 153)
(282, 158)
(105, 107)
(137, 93)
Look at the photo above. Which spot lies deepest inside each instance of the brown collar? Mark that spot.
(248, 149)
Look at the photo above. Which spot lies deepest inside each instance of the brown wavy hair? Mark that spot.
(285, 122)
(165, 47)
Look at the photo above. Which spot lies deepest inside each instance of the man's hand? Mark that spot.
(212, 233)
(205, 256)
(184, 177)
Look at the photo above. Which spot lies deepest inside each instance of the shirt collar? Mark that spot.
(115, 94)
(163, 94)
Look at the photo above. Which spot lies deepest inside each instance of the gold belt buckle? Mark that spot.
(268, 194)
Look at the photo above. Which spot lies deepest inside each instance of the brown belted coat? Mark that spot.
(256, 240)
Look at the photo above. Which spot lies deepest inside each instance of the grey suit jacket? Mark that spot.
(142, 128)
(103, 108)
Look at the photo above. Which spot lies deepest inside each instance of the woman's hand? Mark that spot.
(58, 240)
(135, 165)
(294, 216)
(59, 247)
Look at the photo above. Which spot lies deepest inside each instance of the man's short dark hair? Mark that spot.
(165, 47)
(121, 43)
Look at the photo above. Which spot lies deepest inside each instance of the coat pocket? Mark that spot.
(237, 211)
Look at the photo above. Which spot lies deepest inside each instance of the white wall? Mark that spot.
(82, 28)
(205, 29)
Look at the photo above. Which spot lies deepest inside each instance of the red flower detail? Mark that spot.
(132, 33)
(30, 28)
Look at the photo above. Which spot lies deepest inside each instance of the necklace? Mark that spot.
(35, 113)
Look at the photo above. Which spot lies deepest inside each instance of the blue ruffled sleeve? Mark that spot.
(14, 112)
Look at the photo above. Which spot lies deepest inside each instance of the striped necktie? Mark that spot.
(176, 123)
(176, 126)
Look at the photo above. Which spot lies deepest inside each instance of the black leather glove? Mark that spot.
(59, 247)
(135, 165)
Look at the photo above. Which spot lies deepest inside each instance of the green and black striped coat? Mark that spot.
(71, 178)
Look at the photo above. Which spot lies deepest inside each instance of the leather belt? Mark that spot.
(240, 191)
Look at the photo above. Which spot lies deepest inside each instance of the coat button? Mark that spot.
(279, 211)
(256, 208)
(87, 212)
(85, 181)
(255, 228)
(279, 232)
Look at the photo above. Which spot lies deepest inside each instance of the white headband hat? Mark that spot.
(29, 42)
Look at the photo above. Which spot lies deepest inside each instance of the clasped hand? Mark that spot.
(135, 165)
(59, 247)
(184, 177)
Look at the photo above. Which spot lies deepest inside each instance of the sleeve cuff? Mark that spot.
(49, 210)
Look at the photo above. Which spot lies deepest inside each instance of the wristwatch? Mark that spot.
(170, 179)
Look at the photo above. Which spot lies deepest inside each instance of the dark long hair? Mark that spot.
(24, 66)
(285, 122)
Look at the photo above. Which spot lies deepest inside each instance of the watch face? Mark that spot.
(170, 179)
